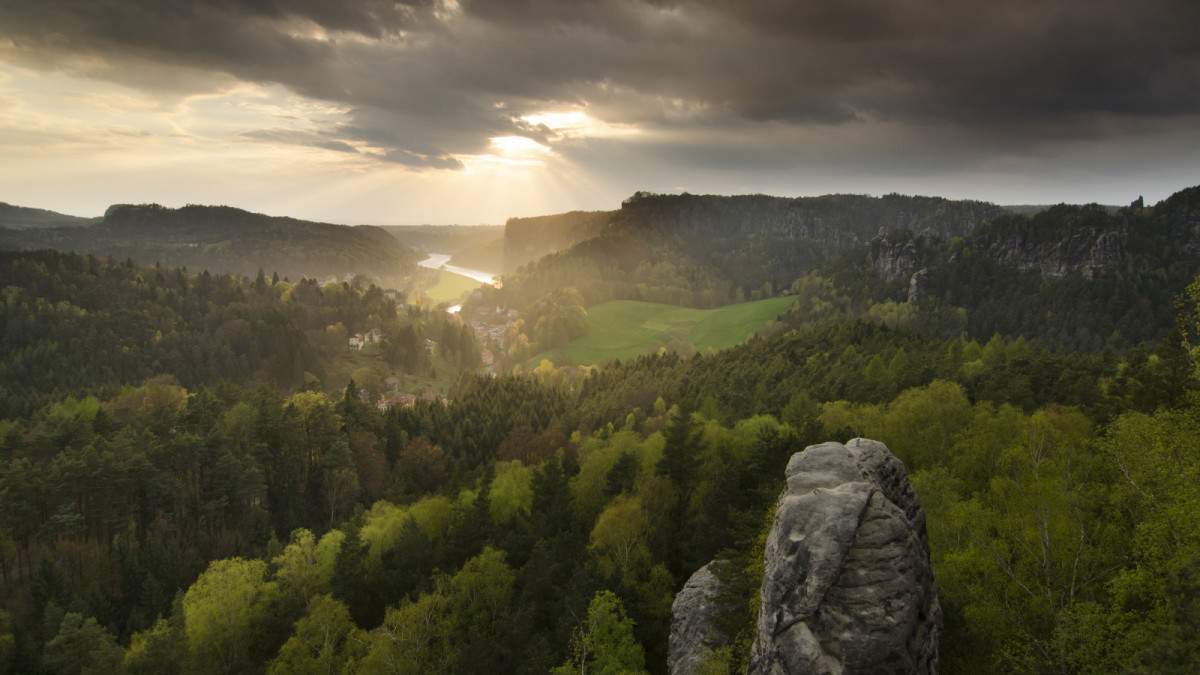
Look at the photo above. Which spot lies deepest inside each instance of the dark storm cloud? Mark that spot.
(372, 18)
(428, 80)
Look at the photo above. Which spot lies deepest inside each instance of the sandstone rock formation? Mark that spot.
(1085, 249)
(916, 285)
(693, 634)
(893, 260)
(848, 587)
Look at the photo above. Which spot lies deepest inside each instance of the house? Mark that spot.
(374, 335)
(356, 341)
(514, 313)
(390, 293)
(392, 384)
(488, 357)
(402, 400)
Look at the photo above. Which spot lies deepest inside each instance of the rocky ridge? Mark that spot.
(1086, 250)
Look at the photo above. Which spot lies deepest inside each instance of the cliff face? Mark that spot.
(848, 586)
(1086, 250)
(837, 222)
(893, 260)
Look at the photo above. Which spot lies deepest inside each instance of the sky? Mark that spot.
(474, 111)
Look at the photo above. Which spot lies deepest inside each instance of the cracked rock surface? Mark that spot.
(848, 586)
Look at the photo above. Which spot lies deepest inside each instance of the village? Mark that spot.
(488, 327)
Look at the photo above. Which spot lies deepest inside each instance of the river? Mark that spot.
(437, 261)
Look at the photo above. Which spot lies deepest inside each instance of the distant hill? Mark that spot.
(24, 218)
(528, 239)
(1034, 209)
(708, 251)
(225, 239)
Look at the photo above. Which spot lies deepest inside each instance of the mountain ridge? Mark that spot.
(24, 217)
(225, 239)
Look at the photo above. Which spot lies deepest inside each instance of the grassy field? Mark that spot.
(451, 287)
(627, 328)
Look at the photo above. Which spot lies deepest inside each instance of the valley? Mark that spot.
(592, 429)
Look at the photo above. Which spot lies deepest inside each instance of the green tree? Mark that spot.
(297, 569)
(82, 646)
(679, 461)
(409, 641)
(619, 539)
(221, 613)
(159, 650)
(479, 608)
(920, 424)
(325, 640)
(604, 643)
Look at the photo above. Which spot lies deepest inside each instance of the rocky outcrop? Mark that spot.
(893, 260)
(693, 633)
(1086, 251)
(916, 284)
(848, 586)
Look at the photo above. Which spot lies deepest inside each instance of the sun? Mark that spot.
(518, 146)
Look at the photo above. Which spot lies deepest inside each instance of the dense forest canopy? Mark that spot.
(216, 495)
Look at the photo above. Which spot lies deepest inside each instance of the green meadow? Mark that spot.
(451, 287)
(626, 329)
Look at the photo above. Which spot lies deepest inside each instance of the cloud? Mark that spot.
(310, 139)
(425, 82)
(412, 159)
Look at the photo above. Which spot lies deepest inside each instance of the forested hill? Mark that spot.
(528, 239)
(20, 218)
(707, 251)
(1071, 277)
(223, 239)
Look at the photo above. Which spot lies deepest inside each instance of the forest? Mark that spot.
(195, 502)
